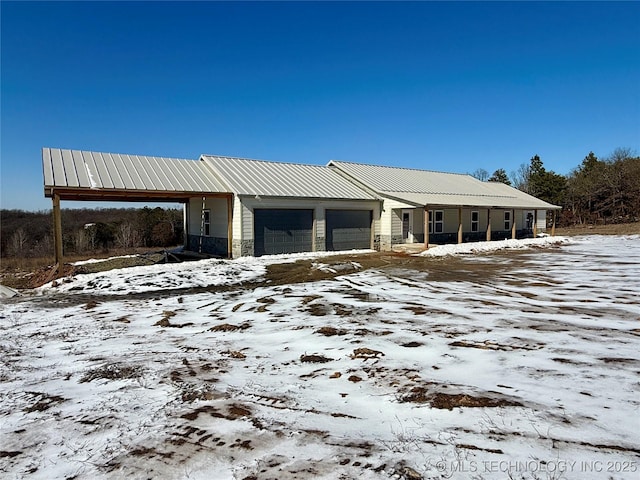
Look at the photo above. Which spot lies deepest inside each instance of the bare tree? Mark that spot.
(481, 174)
(127, 236)
(80, 240)
(520, 177)
(18, 243)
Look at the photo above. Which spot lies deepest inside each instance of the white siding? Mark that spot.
(237, 220)
(218, 217)
(387, 214)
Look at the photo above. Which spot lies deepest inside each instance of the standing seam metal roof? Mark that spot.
(278, 179)
(74, 169)
(424, 187)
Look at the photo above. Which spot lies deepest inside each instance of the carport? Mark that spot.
(107, 177)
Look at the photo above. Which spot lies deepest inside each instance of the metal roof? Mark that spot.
(424, 187)
(66, 170)
(278, 179)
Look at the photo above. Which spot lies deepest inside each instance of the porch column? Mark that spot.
(535, 223)
(459, 224)
(488, 225)
(513, 224)
(57, 232)
(185, 224)
(229, 226)
(426, 227)
(553, 224)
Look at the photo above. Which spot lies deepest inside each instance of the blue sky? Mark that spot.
(436, 85)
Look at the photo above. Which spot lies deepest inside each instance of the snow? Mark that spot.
(485, 247)
(212, 384)
(200, 274)
(100, 260)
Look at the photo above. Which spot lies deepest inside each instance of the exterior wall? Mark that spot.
(521, 222)
(243, 243)
(216, 242)
(542, 220)
(390, 229)
(239, 246)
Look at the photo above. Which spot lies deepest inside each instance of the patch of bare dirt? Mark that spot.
(9, 453)
(330, 331)
(112, 371)
(315, 359)
(366, 353)
(232, 412)
(42, 401)
(235, 354)
(489, 345)
(166, 323)
(449, 401)
(473, 447)
(227, 327)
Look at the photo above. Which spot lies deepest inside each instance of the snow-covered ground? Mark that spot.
(518, 364)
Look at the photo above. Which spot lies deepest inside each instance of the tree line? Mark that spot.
(603, 190)
(598, 190)
(30, 234)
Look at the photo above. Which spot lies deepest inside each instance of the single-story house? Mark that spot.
(449, 207)
(236, 206)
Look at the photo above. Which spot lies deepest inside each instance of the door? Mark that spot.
(348, 229)
(282, 231)
(407, 226)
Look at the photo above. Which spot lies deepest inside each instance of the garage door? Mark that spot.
(348, 229)
(282, 231)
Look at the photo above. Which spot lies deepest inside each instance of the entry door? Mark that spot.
(407, 226)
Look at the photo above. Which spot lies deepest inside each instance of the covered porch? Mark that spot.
(446, 224)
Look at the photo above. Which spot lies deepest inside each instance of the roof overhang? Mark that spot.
(115, 195)
(470, 201)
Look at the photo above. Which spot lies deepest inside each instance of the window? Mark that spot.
(206, 223)
(507, 220)
(475, 221)
(439, 221)
(430, 221)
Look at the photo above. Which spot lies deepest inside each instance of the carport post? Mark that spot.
(488, 225)
(426, 227)
(553, 224)
(459, 224)
(57, 231)
(513, 224)
(535, 223)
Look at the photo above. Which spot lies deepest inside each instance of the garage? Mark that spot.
(282, 231)
(348, 229)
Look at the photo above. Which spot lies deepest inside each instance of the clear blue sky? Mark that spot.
(441, 86)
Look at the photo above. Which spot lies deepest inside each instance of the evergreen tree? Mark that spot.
(546, 185)
(500, 176)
